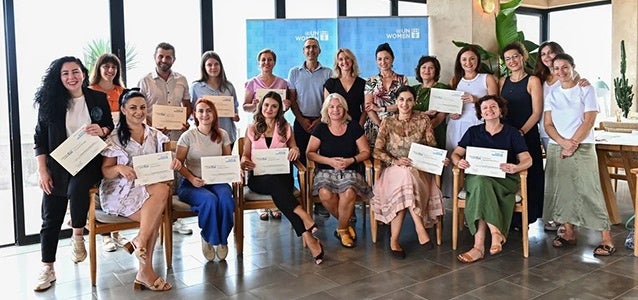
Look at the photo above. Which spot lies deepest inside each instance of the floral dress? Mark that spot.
(382, 98)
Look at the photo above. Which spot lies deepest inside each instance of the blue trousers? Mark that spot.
(214, 205)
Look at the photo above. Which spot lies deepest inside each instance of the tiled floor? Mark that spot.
(275, 266)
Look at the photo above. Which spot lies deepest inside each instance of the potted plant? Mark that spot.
(622, 89)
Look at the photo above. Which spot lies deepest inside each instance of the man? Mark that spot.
(165, 87)
(306, 93)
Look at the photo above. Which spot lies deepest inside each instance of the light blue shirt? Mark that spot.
(309, 87)
(200, 89)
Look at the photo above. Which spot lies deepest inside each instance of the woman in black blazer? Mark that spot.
(64, 105)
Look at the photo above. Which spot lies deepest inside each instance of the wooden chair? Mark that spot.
(458, 204)
(249, 200)
(373, 222)
(312, 199)
(614, 159)
(635, 171)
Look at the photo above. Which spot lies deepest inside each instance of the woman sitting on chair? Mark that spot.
(337, 145)
(401, 187)
(490, 201)
(120, 196)
(214, 203)
(270, 130)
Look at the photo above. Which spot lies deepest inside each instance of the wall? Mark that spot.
(625, 27)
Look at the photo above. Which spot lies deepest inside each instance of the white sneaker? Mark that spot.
(180, 227)
(208, 250)
(79, 251)
(108, 244)
(222, 252)
(45, 278)
(118, 239)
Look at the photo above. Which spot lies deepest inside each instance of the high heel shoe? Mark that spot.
(158, 285)
(344, 237)
(319, 257)
(140, 253)
(497, 248)
(353, 234)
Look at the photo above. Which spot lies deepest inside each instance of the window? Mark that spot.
(298, 9)
(412, 9)
(368, 8)
(6, 191)
(530, 25)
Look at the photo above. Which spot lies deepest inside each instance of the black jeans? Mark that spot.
(280, 187)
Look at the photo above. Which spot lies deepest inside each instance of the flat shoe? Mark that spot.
(158, 285)
(605, 250)
(263, 216)
(222, 252)
(467, 258)
(560, 242)
(498, 248)
(275, 214)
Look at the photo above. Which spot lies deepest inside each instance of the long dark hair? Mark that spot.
(52, 98)
(223, 81)
(458, 68)
(215, 134)
(540, 69)
(260, 120)
(123, 131)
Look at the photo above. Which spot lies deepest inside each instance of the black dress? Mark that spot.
(519, 106)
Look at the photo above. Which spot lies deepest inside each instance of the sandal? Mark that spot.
(353, 234)
(158, 285)
(467, 258)
(605, 250)
(275, 214)
(344, 237)
(497, 248)
(560, 242)
(140, 253)
(263, 215)
(319, 257)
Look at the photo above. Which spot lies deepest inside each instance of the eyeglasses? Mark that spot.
(514, 56)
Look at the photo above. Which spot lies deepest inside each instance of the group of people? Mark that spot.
(341, 120)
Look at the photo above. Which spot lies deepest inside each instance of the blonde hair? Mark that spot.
(325, 118)
(355, 66)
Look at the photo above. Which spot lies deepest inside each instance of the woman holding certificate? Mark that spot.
(490, 201)
(270, 130)
(428, 70)
(120, 196)
(214, 203)
(573, 196)
(402, 187)
(65, 105)
(337, 145)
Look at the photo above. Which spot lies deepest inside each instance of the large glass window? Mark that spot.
(6, 191)
(530, 25)
(298, 9)
(368, 8)
(412, 9)
(66, 33)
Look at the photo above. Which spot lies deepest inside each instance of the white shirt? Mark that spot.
(568, 106)
(77, 115)
(200, 145)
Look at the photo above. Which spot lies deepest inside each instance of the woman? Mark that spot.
(337, 145)
(107, 78)
(490, 201)
(475, 85)
(213, 82)
(265, 80)
(214, 203)
(402, 187)
(524, 95)
(270, 130)
(428, 72)
(119, 195)
(380, 92)
(347, 83)
(573, 195)
(65, 105)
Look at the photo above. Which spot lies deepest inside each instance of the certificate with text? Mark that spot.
(221, 169)
(427, 159)
(225, 105)
(260, 93)
(271, 161)
(485, 161)
(446, 101)
(169, 117)
(153, 168)
(78, 150)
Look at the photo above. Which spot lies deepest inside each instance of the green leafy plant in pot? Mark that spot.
(622, 89)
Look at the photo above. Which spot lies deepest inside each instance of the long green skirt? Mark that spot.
(491, 200)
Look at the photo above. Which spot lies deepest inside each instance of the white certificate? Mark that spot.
(427, 159)
(225, 105)
(446, 101)
(78, 150)
(153, 168)
(221, 169)
(485, 161)
(169, 117)
(271, 161)
(260, 93)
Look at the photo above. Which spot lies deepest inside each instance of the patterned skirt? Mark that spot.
(339, 181)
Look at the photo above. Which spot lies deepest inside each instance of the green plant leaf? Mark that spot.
(508, 8)
(506, 30)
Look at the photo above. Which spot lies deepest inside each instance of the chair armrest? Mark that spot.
(377, 169)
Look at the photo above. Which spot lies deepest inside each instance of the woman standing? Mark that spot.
(270, 130)
(573, 195)
(347, 83)
(428, 71)
(475, 85)
(119, 195)
(524, 96)
(337, 145)
(402, 187)
(213, 82)
(213, 203)
(380, 92)
(65, 104)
